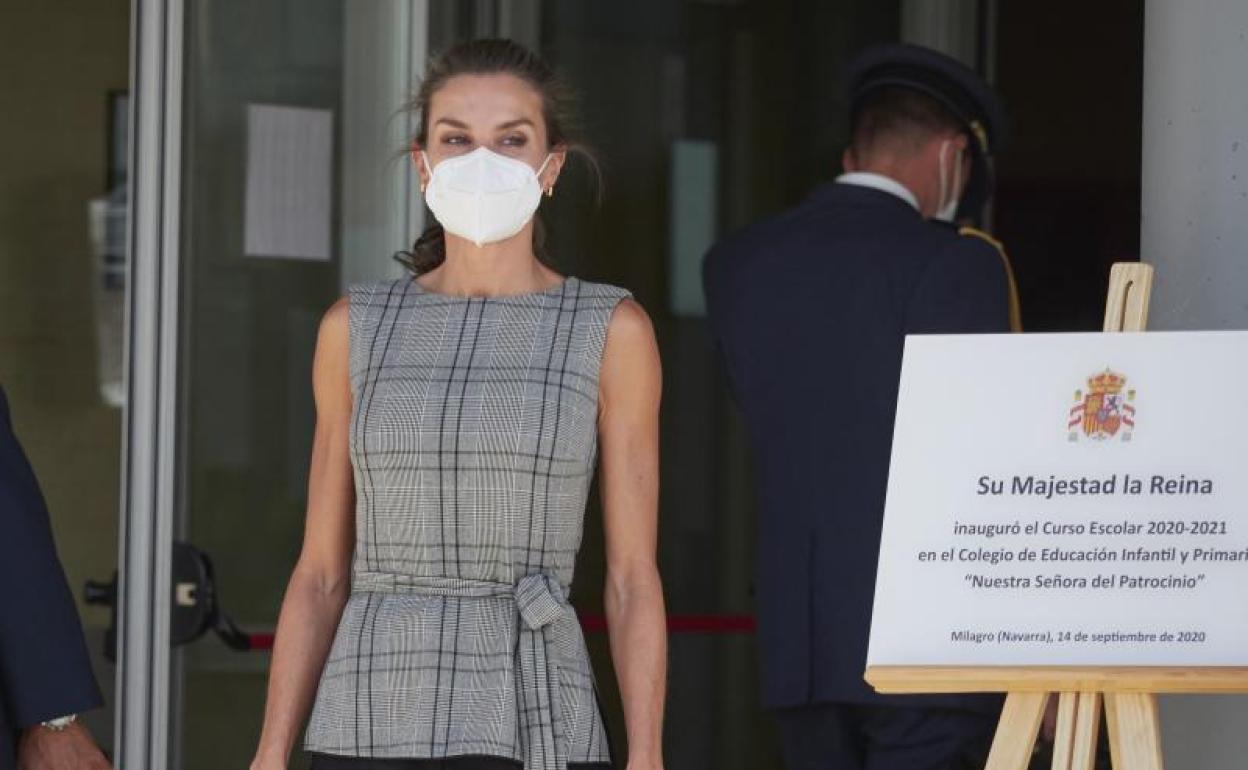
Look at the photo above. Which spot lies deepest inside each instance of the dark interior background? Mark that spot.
(1068, 202)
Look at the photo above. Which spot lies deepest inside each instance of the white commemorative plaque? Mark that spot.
(1067, 499)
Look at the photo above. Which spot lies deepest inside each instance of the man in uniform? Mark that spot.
(810, 310)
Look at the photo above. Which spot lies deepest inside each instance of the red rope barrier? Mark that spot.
(597, 624)
(685, 624)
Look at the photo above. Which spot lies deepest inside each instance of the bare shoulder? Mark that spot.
(334, 324)
(630, 325)
(631, 368)
(333, 337)
(337, 313)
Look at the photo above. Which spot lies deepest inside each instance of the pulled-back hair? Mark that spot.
(899, 119)
(489, 57)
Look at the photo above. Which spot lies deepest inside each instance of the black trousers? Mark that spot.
(326, 762)
(846, 736)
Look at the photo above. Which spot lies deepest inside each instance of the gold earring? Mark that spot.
(422, 188)
(550, 191)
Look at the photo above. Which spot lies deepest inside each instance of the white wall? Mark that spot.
(1195, 175)
(1195, 231)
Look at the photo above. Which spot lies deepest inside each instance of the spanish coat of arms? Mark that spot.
(1106, 410)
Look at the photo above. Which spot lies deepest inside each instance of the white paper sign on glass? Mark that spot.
(289, 194)
(1067, 499)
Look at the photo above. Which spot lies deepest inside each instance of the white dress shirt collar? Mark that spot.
(879, 182)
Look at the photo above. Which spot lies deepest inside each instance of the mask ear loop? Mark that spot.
(943, 175)
(428, 168)
(550, 191)
(957, 174)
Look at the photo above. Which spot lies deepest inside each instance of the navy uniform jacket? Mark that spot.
(45, 671)
(810, 310)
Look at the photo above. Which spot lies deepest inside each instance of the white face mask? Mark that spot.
(482, 196)
(947, 208)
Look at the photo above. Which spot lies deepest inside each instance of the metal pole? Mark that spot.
(150, 414)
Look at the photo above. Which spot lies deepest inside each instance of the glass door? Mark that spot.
(272, 174)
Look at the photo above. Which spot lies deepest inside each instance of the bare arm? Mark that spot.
(320, 584)
(631, 385)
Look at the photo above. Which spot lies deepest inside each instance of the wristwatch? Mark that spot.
(60, 723)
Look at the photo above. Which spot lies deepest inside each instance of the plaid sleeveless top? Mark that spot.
(473, 442)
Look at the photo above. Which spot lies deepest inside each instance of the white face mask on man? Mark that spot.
(482, 196)
(947, 207)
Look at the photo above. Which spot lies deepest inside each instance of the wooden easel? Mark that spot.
(1129, 694)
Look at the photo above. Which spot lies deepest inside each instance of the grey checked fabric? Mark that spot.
(473, 442)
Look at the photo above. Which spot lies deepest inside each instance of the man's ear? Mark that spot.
(848, 161)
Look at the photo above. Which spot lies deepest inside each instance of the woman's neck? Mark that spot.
(495, 269)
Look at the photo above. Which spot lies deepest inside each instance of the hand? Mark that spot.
(42, 748)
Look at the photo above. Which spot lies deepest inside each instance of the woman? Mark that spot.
(459, 413)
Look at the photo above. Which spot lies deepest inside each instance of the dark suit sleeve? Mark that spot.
(712, 291)
(45, 671)
(963, 290)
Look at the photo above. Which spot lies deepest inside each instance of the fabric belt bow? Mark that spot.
(547, 631)
(542, 637)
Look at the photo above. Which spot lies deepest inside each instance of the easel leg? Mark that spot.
(1134, 731)
(1064, 736)
(1017, 730)
(1087, 723)
(1078, 718)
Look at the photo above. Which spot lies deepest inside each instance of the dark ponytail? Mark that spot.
(485, 57)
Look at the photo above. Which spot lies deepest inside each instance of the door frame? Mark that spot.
(149, 452)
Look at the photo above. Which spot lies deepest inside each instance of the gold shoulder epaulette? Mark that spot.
(1016, 311)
